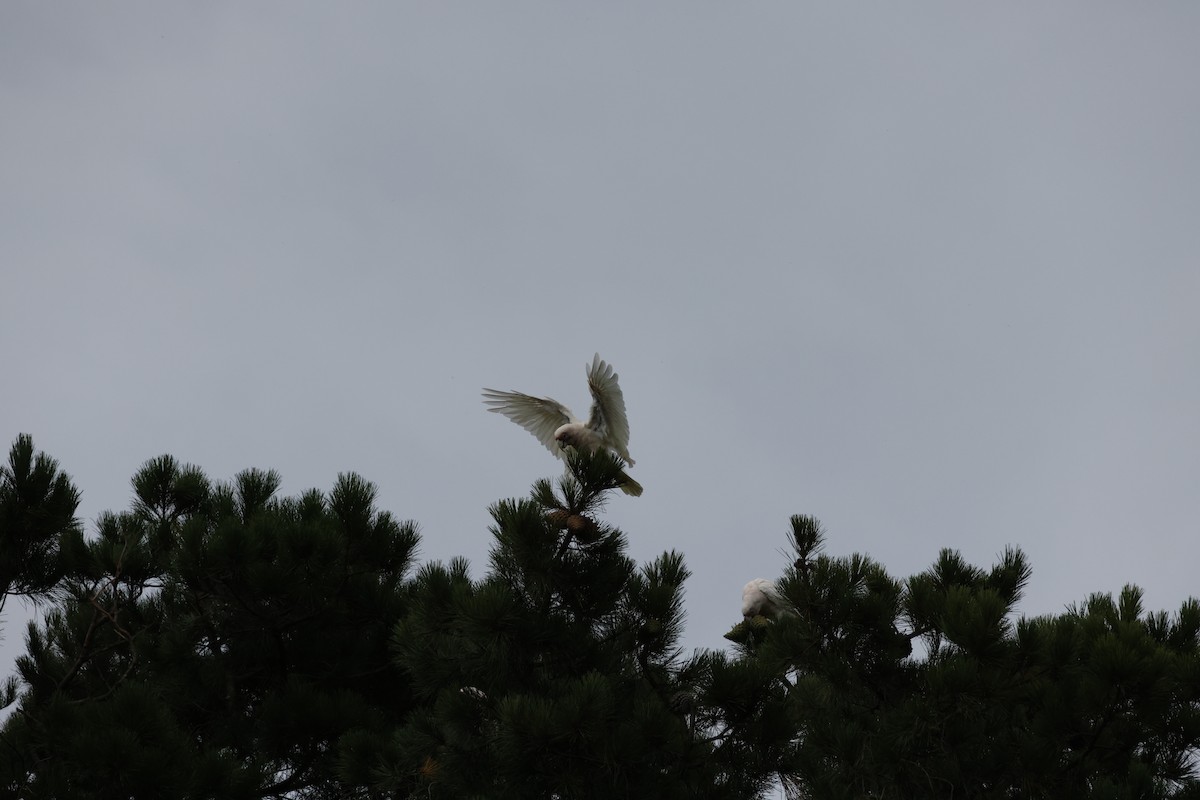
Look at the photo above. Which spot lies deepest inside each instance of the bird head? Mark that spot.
(564, 438)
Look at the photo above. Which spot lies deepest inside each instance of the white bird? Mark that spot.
(557, 428)
(761, 597)
(474, 693)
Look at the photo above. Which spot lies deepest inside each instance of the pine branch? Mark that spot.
(99, 612)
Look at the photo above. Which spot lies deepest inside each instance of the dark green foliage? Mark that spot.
(37, 526)
(37, 512)
(218, 641)
(1100, 702)
(558, 674)
(215, 641)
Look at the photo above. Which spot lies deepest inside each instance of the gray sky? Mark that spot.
(925, 271)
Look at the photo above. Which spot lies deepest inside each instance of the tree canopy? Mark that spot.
(218, 640)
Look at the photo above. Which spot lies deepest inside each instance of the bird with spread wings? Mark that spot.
(557, 428)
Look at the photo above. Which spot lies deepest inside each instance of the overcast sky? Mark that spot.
(926, 271)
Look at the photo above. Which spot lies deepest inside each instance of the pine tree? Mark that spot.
(37, 511)
(37, 519)
(1100, 702)
(558, 675)
(214, 641)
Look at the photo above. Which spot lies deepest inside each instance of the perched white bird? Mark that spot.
(557, 428)
(761, 597)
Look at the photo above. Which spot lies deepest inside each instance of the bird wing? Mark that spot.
(541, 416)
(771, 590)
(608, 408)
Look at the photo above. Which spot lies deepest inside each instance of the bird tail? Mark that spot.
(630, 486)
